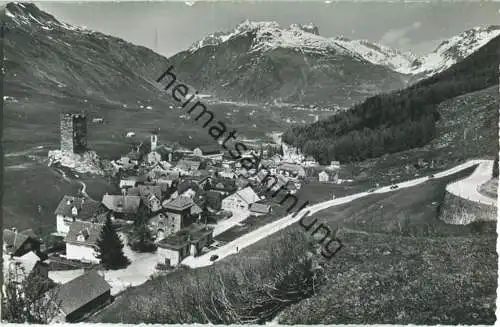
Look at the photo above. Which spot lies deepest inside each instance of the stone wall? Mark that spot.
(458, 211)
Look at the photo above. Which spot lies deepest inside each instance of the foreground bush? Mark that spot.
(249, 288)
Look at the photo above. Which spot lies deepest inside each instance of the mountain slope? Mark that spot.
(379, 54)
(453, 50)
(396, 121)
(51, 67)
(48, 57)
(263, 62)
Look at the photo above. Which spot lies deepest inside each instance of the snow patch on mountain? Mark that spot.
(270, 35)
(29, 14)
(454, 49)
(379, 54)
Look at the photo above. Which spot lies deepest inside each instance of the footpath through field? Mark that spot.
(271, 228)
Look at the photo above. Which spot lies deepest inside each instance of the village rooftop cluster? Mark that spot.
(186, 197)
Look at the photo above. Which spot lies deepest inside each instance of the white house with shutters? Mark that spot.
(81, 241)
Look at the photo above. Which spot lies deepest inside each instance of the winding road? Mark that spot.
(271, 228)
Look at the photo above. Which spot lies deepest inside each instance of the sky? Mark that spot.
(418, 27)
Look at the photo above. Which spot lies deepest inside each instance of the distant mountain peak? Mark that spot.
(29, 14)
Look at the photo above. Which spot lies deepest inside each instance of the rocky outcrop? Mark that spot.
(87, 162)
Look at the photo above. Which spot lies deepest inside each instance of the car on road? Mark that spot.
(431, 176)
(393, 187)
(214, 257)
(371, 190)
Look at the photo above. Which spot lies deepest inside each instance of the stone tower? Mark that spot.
(73, 133)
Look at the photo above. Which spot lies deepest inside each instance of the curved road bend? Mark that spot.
(273, 227)
(468, 188)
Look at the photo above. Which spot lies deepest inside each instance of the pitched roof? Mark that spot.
(248, 195)
(189, 235)
(121, 204)
(291, 167)
(224, 184)
(90, 231)
(186, 185)
(210, 149)
(86, 208)
(260, 207)
(146, 190)
(15, 240)
(188, 164)
(179, 203)
(74, 294)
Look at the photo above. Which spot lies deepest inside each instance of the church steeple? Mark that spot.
(154, 141)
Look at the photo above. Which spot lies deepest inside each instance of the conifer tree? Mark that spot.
(142, 239)
(111, 248)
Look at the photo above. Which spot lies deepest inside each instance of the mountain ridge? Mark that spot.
(447, 53)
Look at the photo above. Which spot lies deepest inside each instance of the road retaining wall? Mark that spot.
(458, 211)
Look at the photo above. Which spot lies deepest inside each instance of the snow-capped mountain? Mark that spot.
(262, 61)
(270, 35)
(453, 50)
(379, 54)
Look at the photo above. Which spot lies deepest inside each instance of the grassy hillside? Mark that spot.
(402, 265)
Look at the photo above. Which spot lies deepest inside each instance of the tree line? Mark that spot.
(395, 121)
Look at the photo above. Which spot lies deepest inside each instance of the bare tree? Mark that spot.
(28, 298)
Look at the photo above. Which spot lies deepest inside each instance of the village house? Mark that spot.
(189, 241)
(122, 206)
(151, 196)
(17, 244)
(225, 186)
(81, 241)
(177, 214)
(334, 165)
(323, 177)
(226, 173)
(72, 209)
(214, 200)
(188, 165)
(80, 297)
(241, 200)
(291, 170)
(309, 161)
(128, 182)
(209, 152)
